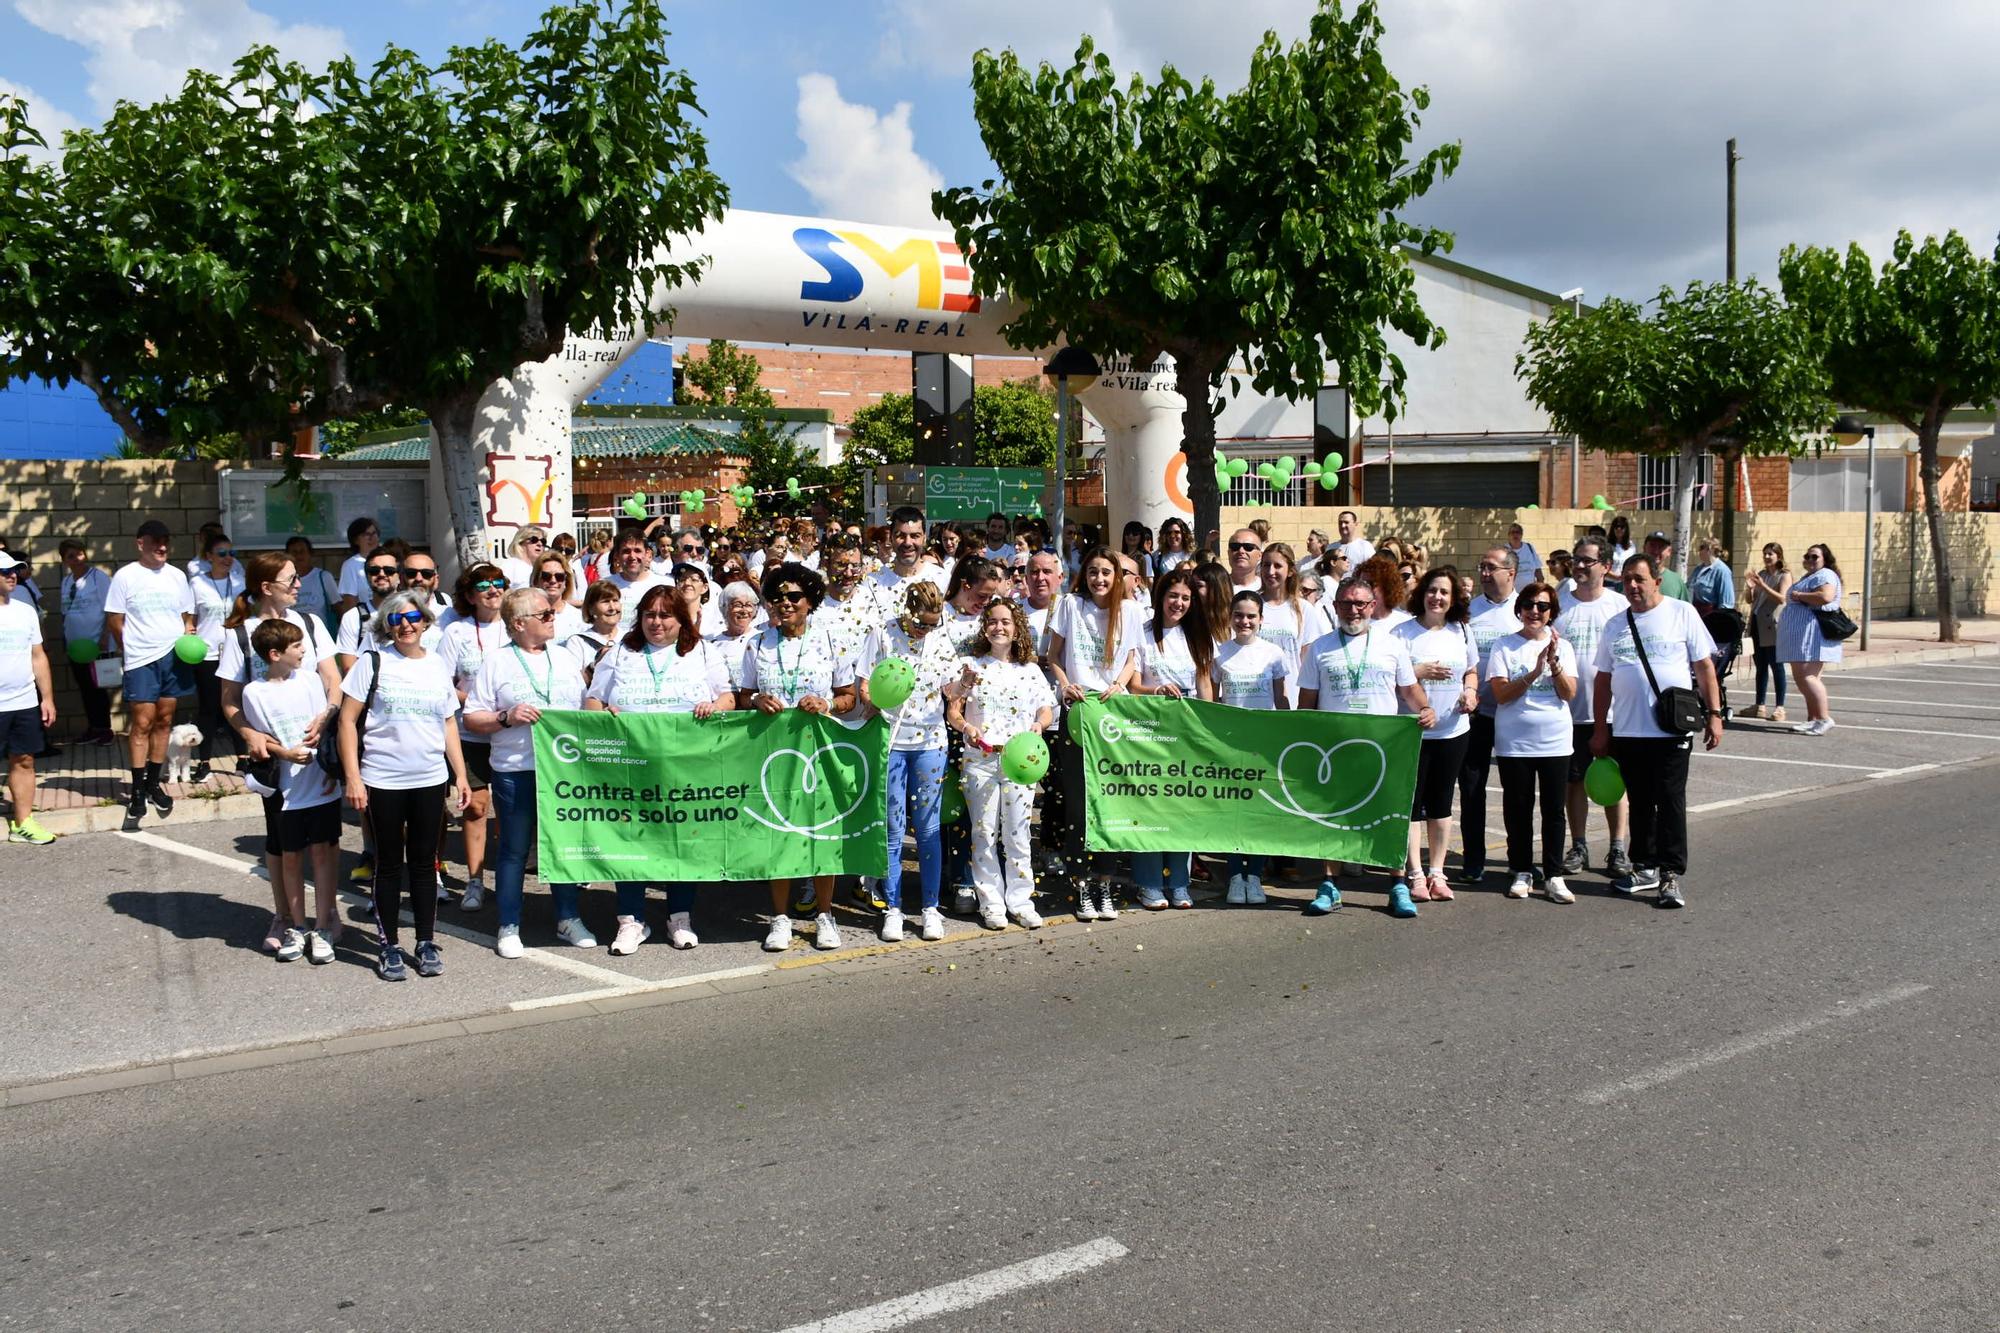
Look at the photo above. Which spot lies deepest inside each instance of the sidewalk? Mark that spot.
(82, 790)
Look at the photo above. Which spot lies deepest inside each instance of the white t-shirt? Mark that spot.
(891, 585)
(1582, 623)
(318, 593)
(284, 709)
(1452, 645)
(1168, 661)
(660, 680)
(83, 604)
(1357, 675)
(353, 578)
(1289, 633)
(1491, 622)
(1529, 561)
(402, 733)
(1675, 639)
(243, 668)
(353, 629)
(1250, 675)
(152, 602)
(584, 646)
(791, 669)
(1537, 725)
(1083, 626)
(630, 591)
(1357, 549)
(509, 676)
(1000, 554)
(732, 650)
(935, 662)
(1005, 701)
(520, 574)
(213, 598)
(1169, 561)
(960, 628)
(20, 631)
(463, 648)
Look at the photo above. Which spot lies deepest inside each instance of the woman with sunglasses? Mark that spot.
(552, 578)
(474, 633)
(1800, 643)
(917, 751)
(271, 590)
(515, 682)
(1176, 657)
(400, 754)
(530, 544)
(793, 664)
(1533, 675)
(662, 666)
(217, 583)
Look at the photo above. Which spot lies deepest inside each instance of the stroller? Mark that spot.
(1725, 626)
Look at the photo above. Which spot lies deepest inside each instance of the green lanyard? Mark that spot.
(1352, 669)
(790, 679)
(656, 672)
(543, 691)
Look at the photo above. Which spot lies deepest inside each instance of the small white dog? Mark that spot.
(182, 742)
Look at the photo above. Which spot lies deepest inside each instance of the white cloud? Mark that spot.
(142, 50)
(860, 164)
(48, 118)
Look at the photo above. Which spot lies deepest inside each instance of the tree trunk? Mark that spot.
(1932, 473)
(464, 542)
(1690, 470)
(1191, 379)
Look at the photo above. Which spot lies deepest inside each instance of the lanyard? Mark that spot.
(1352, 669)
(545, 690)
(647, 654)
(790, 679)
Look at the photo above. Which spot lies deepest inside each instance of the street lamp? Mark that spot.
(1847, 428)
(1072, 369)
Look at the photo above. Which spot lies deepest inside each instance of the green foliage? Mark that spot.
(339, 436)
(279, 247)
(728, 376)
(1140, 218)
(1911, 343)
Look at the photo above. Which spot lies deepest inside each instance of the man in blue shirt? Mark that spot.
(1713, 587)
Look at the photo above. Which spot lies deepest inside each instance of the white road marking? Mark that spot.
(1756, 798)
(971, 1291)
(1898, 772)
(216, 859)
(1925, 703)
(643, 987)
(1919, 680)
(1965, 666)
(1912, 731)
(1607, 1093)
(1802, 763)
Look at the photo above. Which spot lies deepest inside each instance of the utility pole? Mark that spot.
(1731, 458)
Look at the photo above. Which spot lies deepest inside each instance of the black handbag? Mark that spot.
(1834, 623)
(1677, 710)
(328, 754)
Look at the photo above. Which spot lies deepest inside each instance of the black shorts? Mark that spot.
(21, 731)
(1579, 749)
(296, 830)
(478, 766)
(1438, 763)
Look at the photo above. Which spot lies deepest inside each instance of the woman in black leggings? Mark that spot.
(399, 748)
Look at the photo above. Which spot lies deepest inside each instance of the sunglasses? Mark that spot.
(1244, 546)
(291, 582)
(490, 585)
(915, 626)
(552, 575)
(374, 571)
(544, 616)
(222, 551)
(1584, 561)
(1486, 567)
(789, 595)
(1546, 608)
(1355, 606)
(533, 541)
(412, 572)
(406, 618)
(692, 550)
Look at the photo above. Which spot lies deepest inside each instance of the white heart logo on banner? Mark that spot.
(809, 781)
(1324, 776)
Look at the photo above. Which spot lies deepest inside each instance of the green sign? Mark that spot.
(1169, 775)
(661, 796)
(959, 493)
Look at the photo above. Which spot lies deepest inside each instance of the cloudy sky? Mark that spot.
(1593, 129)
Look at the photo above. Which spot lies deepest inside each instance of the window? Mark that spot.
(1659, 482)
(1839, 484)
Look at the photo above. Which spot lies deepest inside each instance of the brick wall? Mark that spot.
(845, 382)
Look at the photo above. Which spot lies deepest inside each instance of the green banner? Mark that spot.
(969, 494)
(1168, 775)
(661, 796)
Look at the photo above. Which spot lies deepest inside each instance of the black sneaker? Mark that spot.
(161, 801)
(390, 965)
(201, 772)
(1670, 892)
(135, 809)
(430, 959)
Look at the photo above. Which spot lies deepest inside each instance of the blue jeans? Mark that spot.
(926, 793)
(1146, 870)
(1232, 866)
(514, 803)
(632, 897)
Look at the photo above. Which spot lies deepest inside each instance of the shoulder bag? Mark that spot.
(328, 754)
(1677, 710)
(1835, 624)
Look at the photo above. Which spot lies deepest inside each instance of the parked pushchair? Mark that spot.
(1725, 625)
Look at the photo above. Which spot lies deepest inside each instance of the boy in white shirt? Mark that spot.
(301, 812)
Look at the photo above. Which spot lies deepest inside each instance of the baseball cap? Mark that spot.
(8, 560)
(155, 529)
(684, 570)
(1657, 536)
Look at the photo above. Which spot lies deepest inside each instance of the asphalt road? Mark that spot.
(1774, 1110)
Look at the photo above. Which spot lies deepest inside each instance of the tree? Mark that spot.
(1910, 343)
(728, 376)
(1720, 361)
(278, 248)
(1014, 425)
(1165, 217)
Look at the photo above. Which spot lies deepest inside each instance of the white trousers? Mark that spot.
(1000, 811)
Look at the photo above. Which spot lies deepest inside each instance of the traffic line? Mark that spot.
(1965, 666)
(1605, 1094)
(1800, 763)
(1913, 731)
(641, 987)
(1916, 703)
(1899, 772)
(971, 1291)
(1919, 680)
(216, 859)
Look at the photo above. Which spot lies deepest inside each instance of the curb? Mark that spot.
(187, 810)
(1913, 657)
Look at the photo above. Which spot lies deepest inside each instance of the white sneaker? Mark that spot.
(1253, 890)
(573, 932)
(892, 926)
(826, 935)
(291, 945)
(474, 897)
(965, 902)
(780, 937)
(993, 920)
(1557, 890)
(318, 947)
(1029, 918)
(508, 945)
(444, 894)
(680, 931)
(1821, 727)
(933, 924)
(632, 932)
(1235, 896)
(1523, 885)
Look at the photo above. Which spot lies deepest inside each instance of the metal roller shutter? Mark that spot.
(1473, 485)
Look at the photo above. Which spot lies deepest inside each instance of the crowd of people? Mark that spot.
(411, 705)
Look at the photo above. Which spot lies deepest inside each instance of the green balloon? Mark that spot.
(951, 800)
(792, 487)
(190, 648)
(1333, 462)
(635, 507)
(1025, 758)
(1310, 469)
(1328, 480)
(1238, 466)
(83, 651)
(1222, 480)
(1534, 506)
(891, 682)
(1267, 471)
(1288, 464)
(1603, 782)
